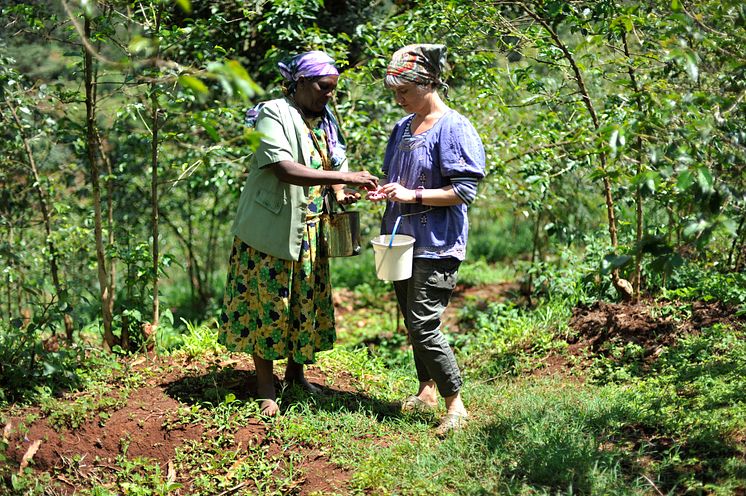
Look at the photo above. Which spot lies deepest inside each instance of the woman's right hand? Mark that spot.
(362, 178)
(376, 195)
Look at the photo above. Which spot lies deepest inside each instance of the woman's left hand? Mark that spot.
(397, 192)
(346, 196)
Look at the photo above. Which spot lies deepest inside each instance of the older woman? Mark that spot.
(433, 162)
(278, 296)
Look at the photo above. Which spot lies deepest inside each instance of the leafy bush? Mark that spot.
(691, 282)
(26, 365)
(497, 240)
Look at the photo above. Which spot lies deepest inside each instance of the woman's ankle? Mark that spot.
(428, 393)
(454, 404)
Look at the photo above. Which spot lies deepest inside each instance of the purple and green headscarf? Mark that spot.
(419, 64)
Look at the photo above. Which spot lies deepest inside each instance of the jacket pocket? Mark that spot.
(270, 200)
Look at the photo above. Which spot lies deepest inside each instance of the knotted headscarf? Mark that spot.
(420, 64)
(309, 65)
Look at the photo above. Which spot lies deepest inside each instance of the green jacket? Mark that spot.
(271, 215)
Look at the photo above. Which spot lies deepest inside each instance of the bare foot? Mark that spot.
(268, 408)
(294, 374)
(455, 406)
(303, 383)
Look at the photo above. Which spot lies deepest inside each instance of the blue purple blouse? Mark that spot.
(449, 153)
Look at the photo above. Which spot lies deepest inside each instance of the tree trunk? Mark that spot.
(154, 178)
(124, 340)
(104, 154)
(638, 192)
(107, 296)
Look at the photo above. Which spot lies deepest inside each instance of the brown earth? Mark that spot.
(140, 429)
(595, 329)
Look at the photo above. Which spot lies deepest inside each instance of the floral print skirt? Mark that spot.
(279, 308)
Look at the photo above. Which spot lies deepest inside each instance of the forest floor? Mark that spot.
(189, 425)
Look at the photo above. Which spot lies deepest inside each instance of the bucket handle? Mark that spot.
(329, 202)
(393, 233)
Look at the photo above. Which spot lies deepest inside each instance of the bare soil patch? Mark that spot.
(141, 429)
(645, 323)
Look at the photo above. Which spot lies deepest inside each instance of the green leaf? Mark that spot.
(140, 44)
(705, 181)
(133, 312)
(193, 83)
(211, 131)
(628, 24)
(685, 180)
(167, 316)
(186, 5)
(691, 66)
(613, 140)
(612, 262)
(695, 228)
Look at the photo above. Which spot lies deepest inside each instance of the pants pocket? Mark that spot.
(444, 274)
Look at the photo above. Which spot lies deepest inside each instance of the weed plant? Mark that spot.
(505, 339)
(29, 371)
(690, 282)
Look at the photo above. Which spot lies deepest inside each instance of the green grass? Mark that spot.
(477, 272)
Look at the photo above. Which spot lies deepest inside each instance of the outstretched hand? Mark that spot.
(393, 192)
(375, 195)
(362, 178)
(346, 196)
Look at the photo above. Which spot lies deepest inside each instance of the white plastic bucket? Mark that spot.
(393, 263)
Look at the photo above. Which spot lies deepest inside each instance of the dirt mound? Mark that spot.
(620, 323)
(136, 429)
(148, 426)
(599, 328)
(649, 324)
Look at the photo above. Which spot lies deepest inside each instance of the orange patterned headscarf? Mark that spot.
(420, 64)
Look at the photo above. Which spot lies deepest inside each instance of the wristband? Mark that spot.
(418, 196)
